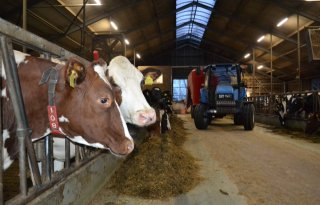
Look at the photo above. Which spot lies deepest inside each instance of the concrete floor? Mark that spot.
(243, 167)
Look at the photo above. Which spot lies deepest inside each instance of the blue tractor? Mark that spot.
(224, 93)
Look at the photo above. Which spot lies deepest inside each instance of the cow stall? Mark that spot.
(73, 182)
(293, 110)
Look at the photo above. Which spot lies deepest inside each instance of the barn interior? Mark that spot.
(280, 39)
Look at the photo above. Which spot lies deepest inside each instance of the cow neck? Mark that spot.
(52, 75)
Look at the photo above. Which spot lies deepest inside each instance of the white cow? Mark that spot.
(134, 107)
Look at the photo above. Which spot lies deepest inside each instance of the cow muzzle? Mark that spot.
(125, 148)
(145, 117)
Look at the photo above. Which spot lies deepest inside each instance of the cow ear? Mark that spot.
(117, 93)
(107, 74)
(75, 73)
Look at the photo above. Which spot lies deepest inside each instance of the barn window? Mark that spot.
(192, 18)
(179, 89)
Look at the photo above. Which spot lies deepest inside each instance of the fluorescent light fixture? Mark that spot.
(126, 41)
(98, 2)
(247, 55)
(114, 25)
(260, 66)
(261, 38)
(138, 55)
(282, 22)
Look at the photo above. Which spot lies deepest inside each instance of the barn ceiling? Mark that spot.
(161, 31)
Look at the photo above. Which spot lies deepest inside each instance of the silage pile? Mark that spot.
(159, 167)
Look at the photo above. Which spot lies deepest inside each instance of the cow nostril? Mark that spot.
(130, 147)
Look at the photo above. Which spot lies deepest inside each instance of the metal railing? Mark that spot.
(267, 104)
(11, 34)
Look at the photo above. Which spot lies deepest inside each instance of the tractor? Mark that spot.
(223, 93)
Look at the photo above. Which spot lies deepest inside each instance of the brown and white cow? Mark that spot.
(88, 113)
(134, 107)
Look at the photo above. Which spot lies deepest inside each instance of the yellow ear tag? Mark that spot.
(148, 80)
(72, 79)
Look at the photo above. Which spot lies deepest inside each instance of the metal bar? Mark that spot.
(254, 71)
(1, 141)
(77, 153)
(67, 150)
(33, 161)
(13, 87)
(34, 194)
(271, 64)
(73, 20)
(24, 18)
(48, 152)
(298, 51)
(83, 37)
(23, 37)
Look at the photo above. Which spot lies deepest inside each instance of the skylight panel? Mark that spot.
(192, 20)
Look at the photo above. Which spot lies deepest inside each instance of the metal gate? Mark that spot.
(12, 35)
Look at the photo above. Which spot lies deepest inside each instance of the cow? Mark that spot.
(281, 109)
(134, 107)
(299, 106)
(161, 101)
(84, 100)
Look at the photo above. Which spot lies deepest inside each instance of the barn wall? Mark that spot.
(187, 55)
(294, 85)
(83, 184)
(167, 77)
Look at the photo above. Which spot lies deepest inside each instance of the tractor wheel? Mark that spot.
(200, 117)
(210, 118)
(237, 119)
(248, 116)
(192, 111)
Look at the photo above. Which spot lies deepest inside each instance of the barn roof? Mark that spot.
(183, 32)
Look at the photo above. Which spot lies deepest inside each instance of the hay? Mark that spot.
(158, 168)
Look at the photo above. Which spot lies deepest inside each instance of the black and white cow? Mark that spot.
(162, 102)
(300, 106)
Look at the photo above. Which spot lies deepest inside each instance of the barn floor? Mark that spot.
(244, 167)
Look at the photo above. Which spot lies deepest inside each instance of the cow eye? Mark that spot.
(104, 100)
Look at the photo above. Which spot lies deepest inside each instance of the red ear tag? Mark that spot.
(53, 120)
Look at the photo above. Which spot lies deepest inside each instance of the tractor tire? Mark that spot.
(200, 117)
(248, 117)
(210, 118)
(192, 111)
(237, 119)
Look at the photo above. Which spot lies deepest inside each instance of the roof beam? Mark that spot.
(292, 10)
(245, 22)
(108, 13)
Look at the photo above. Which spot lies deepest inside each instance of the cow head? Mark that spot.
(134, 106)
(91, 109)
